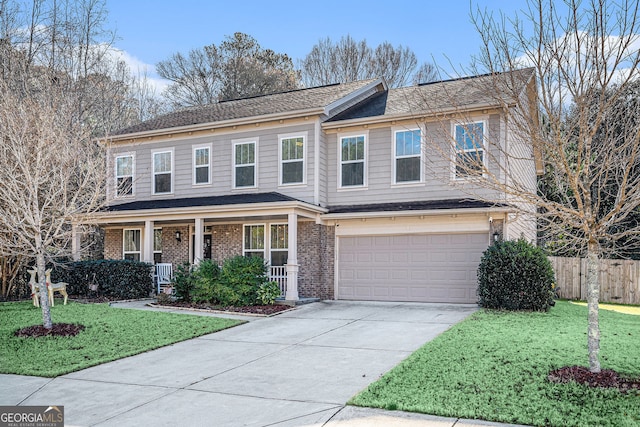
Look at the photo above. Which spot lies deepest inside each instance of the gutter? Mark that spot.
(410, 213)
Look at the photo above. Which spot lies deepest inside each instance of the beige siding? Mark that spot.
(221, 164)
(380, 187)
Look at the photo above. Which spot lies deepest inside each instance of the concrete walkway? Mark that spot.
(295, 369)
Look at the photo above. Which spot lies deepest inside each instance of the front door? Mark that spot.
(207, 246)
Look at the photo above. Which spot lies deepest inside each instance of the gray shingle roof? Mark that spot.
(438, 96)
(233, 199)
(291, 101)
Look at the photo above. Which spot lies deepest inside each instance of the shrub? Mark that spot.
(183, 282)
(515, 275)
(243, 275)
(121, 279)
(268, 292)
(236, 283)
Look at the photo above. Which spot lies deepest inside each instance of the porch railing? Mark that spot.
(278, 274)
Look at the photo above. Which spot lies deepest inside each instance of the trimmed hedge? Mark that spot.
(515, 275)
(115, 278)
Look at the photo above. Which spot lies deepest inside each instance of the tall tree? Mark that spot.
(52, 174)
(585, 58)
(60, 86)
(349, 60)
(239, 67)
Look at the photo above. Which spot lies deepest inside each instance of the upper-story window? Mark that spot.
(292, 160)
(162, 172)
(124, 175)
(244, 164)
(408, 156)
(202, 164)
(352, 161)
(469, 154)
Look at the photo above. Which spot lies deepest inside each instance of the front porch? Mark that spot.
(288, 236)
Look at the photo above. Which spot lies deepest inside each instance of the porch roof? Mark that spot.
(415, 206)
(235, 206)
(232, 199)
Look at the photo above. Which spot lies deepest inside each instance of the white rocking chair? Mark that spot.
(164, 274)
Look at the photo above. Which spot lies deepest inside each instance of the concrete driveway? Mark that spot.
(295, 369)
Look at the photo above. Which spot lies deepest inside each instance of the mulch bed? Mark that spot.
(249, 309)
(607, 378)
(58, 330)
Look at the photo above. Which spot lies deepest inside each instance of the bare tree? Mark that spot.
(584, 61)
(52, 174)
(60, 87)
(239, 67)
(349, 60)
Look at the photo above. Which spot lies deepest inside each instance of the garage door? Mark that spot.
(425, 268)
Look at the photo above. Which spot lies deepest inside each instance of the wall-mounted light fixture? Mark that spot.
(496, 236)
(178, 236)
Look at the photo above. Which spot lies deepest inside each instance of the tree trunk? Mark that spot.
(593, 294)
(44, 295)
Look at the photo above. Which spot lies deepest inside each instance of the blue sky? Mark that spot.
(437, 31)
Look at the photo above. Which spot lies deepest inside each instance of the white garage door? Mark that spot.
(425, 268)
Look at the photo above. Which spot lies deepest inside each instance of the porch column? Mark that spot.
(292, 262)
(198, 247)
(75, 243)
(147, 251)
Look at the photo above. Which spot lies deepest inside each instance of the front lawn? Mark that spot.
(494, 366)
(110, 334)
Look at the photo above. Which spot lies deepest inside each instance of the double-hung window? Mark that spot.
(131, 244)
(202, 165)
(292, 160)
(162, 172)
(254, 240)
(124, 175)
(408, 156)
(157, 245)
(244, 164)
(352, 161)
(279, 244)
(469, 139)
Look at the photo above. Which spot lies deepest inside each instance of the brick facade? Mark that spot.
(316, 246)
(113, 243)
(173, 251)
(226, 241)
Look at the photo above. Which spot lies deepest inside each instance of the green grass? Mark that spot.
(109, 334)
(493, 366)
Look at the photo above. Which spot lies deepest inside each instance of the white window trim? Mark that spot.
(133, 174)
(153, 172)
(365, 180)
(194, 166)
(235, 143)
(454, 151)
(394, 157)
(265, 242)
(268, 245)
(154, 248)
(139, 251)
(305, 139)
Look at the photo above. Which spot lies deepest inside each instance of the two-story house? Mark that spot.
(336, 187)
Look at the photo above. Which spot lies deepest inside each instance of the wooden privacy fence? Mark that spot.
(619, 279)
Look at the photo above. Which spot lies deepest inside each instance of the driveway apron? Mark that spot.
(298, 368)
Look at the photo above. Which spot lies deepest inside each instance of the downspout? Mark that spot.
(316, 163)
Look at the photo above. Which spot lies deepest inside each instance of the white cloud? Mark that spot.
(140, 69)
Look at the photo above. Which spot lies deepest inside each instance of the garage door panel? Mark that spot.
(430, 267)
